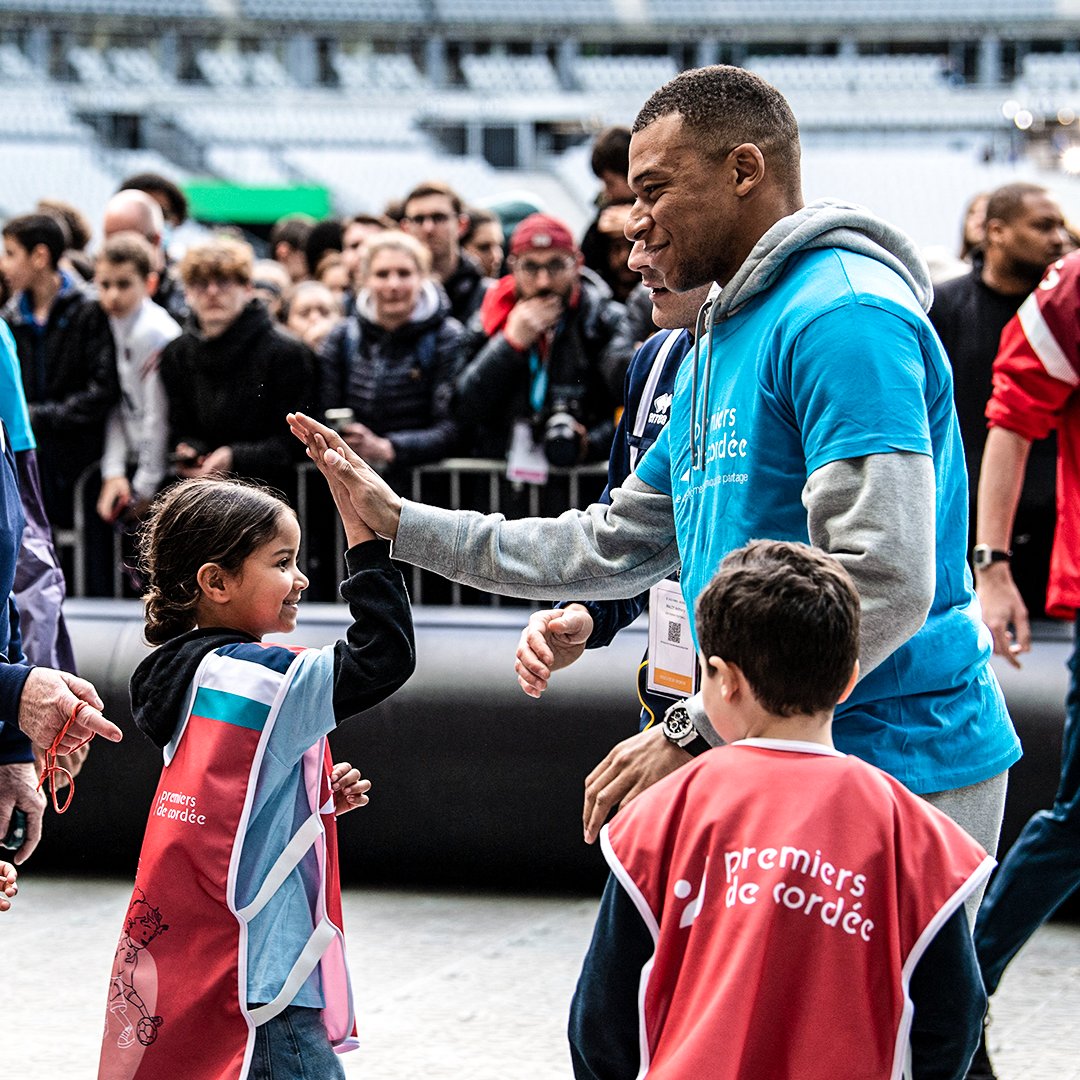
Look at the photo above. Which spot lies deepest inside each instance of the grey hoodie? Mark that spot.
(876, 514)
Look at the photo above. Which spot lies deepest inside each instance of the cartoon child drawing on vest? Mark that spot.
(142, 926)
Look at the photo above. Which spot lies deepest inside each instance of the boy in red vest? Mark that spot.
(777, 910)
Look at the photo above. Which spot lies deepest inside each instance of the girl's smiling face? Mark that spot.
(264, 594)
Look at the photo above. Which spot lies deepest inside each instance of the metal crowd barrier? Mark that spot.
(457, 483)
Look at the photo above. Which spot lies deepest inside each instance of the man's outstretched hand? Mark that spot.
(552, 639)
(348, 475)
(631, 766)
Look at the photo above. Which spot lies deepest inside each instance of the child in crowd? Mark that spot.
(777, 909)
(137, 429)
(8, 888)
(231, 962)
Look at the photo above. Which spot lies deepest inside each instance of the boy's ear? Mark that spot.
(214, 583)
(40, 258)
(728, 674)
(850, 683)
(152, 280)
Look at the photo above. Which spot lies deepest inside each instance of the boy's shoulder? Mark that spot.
(153, 323)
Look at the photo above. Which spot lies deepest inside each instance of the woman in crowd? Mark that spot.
(393, 361)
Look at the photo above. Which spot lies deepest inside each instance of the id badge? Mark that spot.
(526, 462)
(673, 667)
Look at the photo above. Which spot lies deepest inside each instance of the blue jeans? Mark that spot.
(294, 1046)
(1043, 867)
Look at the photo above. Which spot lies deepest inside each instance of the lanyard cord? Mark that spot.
(51, 766)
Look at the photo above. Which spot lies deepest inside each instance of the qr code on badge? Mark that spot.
(674, 633)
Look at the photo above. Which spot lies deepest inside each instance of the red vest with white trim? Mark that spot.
(1036, 379)
(178, 1007)
(790, 895)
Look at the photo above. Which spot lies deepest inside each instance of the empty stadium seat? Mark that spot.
(501, 73)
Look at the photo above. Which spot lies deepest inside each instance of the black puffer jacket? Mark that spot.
(235, 389)
(69, 376)
(398, 382)
(493, 389)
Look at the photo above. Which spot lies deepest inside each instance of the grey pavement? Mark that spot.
(448, 985)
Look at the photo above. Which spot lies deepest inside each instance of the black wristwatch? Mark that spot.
(983, 555)
(678, 728)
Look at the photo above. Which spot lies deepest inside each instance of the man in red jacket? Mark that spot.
(1036, 375)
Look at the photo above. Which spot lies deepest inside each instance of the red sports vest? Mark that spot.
(790, 895)
(178, 1006)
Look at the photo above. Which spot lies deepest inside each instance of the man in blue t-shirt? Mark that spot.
(819, 408)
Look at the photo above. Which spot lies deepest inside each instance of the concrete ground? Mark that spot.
(449, 985)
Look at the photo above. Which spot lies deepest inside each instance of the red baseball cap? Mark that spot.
(541, 232)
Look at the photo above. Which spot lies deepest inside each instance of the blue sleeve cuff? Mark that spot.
(14, 745)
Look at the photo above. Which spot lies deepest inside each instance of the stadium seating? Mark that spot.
(61, 170)
(371, 11)
(636, 75)
(295, 122)
(385, 73)
(15, 68)
(528, 12)
(136, 67)
(172, 9)
(501, 73)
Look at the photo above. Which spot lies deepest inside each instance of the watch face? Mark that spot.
(677, 723)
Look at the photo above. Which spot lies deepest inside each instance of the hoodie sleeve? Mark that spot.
(876, 515)
(602, 552)
(379, 651)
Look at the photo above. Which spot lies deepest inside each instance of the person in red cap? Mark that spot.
(549, 349)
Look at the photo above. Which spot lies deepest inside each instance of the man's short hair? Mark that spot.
(1007, 202)
(788, 616)
(435, 187)
(725, 106)
(222, 257)
(29, 230)
(156, 184)
(611, 152)
(293, 229)
(376, 221)
(128, 247)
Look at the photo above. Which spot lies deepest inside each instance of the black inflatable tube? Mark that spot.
(474, 784)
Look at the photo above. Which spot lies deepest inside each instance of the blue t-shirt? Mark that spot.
(13, 408)
(836, 360)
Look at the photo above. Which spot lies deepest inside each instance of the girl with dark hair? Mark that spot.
(240, 855)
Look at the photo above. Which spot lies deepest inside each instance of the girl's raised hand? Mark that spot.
(359, 491)
(349, 788)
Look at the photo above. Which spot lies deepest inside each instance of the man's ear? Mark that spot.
(749, 167)
(214, 583)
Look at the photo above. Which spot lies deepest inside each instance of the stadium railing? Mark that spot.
(456, 483)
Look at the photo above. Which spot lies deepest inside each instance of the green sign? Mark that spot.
(214, 200)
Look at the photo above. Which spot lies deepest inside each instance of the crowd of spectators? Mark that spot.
(426, 332)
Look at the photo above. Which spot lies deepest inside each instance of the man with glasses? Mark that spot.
(435, 215)
(535, 389)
